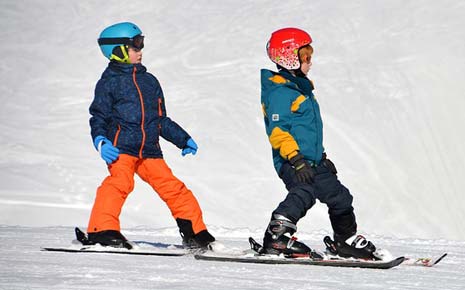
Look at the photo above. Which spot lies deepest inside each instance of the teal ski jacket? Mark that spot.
(292, 117)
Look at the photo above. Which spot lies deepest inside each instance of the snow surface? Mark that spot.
(389, 80)
(23, 266)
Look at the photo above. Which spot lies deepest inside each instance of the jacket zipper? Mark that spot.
(142, 111)
(318, 124)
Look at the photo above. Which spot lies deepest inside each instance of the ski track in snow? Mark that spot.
(23, 266)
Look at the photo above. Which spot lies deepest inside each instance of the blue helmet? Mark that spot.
(120, 35)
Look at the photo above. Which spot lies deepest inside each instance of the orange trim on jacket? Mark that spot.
(142, 111)
(115, 141)
(160, 114)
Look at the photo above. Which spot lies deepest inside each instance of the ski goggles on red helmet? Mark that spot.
(136, 41)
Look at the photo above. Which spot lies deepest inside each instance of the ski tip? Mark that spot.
(439, 259)
(426, 262)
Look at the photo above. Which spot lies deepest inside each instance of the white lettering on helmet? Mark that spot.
(288, 40)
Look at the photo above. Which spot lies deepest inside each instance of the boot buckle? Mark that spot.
(291, 241)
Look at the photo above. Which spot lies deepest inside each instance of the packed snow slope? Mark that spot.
(388, 76)
(24, 266)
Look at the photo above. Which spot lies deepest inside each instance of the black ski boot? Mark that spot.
(200, 240)
(190, 240)
(279, 240)
(110, 238)
(356, 246)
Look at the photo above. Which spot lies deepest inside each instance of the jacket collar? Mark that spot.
(302, 82)
(116, 68)
(271, 79)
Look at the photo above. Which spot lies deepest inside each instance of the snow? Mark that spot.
(389, 81)
(23, 266)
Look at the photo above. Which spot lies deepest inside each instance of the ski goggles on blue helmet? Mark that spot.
(115, 40)
(136, 41)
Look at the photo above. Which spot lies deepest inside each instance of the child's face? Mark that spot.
(306, 64)
(135, 55)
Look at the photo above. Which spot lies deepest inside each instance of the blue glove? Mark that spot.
(107, 151)
(190, 147)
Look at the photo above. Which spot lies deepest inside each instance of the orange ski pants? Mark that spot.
(117, 186)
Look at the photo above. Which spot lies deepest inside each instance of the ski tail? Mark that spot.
(256, 247)
(330, 246)
(82, 237)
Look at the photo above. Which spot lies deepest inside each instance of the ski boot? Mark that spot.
(201, 240)
(279, 239)
(356, 246)
(192, 241)
(109, 238)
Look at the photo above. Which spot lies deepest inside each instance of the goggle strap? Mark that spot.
(106, 41)
(119, 40)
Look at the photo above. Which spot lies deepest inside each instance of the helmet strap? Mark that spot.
(295, 72)
(299, 73)
(120, 54)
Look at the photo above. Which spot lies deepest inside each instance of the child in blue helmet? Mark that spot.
(295, 130)
(128, 119)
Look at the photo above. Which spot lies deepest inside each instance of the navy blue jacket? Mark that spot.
(129, 109)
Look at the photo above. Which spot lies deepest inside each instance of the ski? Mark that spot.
(83, 245)
(269, 259)
(385, 255)
(255, 256)
(425, 262)
(116, 251)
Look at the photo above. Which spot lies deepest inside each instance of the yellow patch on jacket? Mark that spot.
(277, 79)
(284, 142)
(296, 104)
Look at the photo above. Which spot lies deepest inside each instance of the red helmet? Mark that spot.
(284, 44)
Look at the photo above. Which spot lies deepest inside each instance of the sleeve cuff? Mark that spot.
(292, 154)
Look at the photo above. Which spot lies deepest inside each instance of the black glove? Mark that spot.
(303, 170)
(329, 164)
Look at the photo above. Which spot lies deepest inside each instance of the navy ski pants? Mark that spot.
(327, 189)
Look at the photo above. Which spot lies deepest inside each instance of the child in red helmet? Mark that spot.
(128, 118)
(295, 130)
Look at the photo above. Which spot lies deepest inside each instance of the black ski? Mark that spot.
(123, 252)
(263, 259)
(83, 245)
